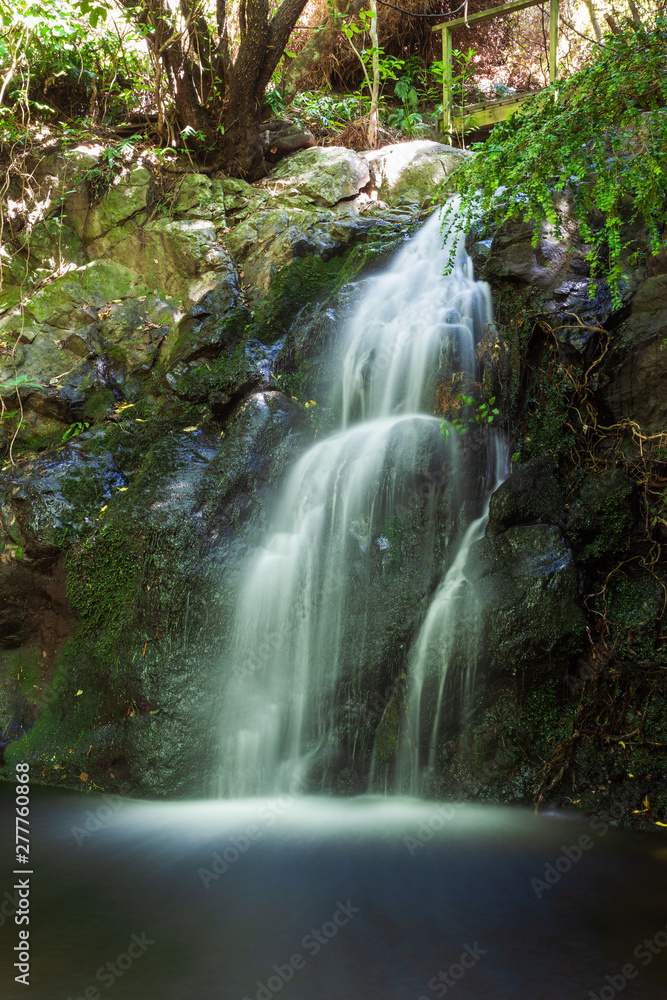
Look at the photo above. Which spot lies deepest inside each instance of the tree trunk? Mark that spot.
(194, 124)
(263, 41)
(375, 93)
(594, 21)
(242, 150)
(319, 45)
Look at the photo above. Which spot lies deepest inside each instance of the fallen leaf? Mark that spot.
(188, 430)
(84, 777)
(80, 691)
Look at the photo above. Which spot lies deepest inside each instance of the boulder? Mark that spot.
(324, 174)
(526, 582)
(126, 198)
(179, 258)
(280, 137)
(532, 494)
(410, 172)
(635, 372)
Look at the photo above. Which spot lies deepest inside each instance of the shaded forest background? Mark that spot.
(203, 75)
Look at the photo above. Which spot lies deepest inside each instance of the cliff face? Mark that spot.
(155, 389)
(163, 339)
(584, 388)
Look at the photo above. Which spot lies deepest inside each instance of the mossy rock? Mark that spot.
(532, 494)
(527, 585)
(601, 516)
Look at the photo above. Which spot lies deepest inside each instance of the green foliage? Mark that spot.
(74, 430)
(100, 177)
(483, 414)
(410, 89)
(327, 110)
(600, 138)
(56, 44)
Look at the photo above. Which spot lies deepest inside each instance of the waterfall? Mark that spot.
(449, 635)
(307, 616)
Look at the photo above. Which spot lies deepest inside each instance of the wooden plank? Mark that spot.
(485, 116)
(484, 15)
(497, 103)
(554, 12)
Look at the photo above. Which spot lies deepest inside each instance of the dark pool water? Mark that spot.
(323, 899)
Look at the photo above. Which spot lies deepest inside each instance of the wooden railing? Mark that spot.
(488, 112)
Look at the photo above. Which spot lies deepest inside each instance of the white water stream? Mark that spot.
(305, 611)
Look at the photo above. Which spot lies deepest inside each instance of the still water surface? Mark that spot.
(325, 899)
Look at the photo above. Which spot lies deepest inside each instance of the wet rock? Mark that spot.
(526, 582)
(532, 494)
(212, 324)
(633, 378)
(137, 680)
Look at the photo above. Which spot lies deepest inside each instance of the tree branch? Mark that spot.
(222, 46)
(280, 29)
(319, 45)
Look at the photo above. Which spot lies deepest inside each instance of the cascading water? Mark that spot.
(308, 613)
(449, 635)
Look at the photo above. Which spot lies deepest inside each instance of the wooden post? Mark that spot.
(447, 102)
(554, 13)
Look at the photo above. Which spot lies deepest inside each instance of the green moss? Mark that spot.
(631, 608)
(97, 404)
(24, 664)
(308, 278)
(226, 373)
(104, 577)
(548, 409)
(601, 515)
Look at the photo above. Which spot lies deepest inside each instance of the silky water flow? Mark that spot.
(305, 608)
